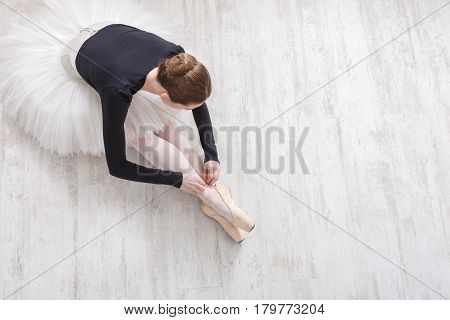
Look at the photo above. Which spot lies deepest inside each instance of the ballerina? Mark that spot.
(110, 71)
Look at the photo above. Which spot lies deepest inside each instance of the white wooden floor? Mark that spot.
(371, 220)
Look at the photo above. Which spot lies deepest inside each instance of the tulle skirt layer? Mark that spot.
(41, 90)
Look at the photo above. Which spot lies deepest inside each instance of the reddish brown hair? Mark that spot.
(185, 79)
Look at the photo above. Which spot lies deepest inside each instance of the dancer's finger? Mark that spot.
(208, 175)
(209, 178)
(215, 176)
(205, 174)
(201, 183)
(195, 189)
(201, 188)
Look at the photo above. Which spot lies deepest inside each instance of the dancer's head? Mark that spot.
(186, 80)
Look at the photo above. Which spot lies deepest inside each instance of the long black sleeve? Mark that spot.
(115, 104)
(205, 130)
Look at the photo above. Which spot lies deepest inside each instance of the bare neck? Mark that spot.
(152, 84)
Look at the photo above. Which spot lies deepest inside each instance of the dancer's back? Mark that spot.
(121, 56)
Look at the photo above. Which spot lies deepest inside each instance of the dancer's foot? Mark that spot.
(237, 234)
(219, 199)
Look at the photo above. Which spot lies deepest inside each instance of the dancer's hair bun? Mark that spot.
(180, 65)
(185, 79)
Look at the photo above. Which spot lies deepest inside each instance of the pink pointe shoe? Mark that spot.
(239, 225)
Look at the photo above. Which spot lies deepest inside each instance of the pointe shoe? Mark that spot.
(237, 234)
(239, 217)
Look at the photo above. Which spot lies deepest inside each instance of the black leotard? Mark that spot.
(115, 62)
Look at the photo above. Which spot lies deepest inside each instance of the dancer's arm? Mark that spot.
(115, 104)
(205, 130)
(211, 168)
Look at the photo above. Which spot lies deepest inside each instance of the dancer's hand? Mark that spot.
(211, 172)
(192, 183)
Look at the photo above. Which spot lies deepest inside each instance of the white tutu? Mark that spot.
(50, 101)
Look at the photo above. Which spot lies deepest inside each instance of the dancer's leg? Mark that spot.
(176, 136)
(164, 155)
(161, 153)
